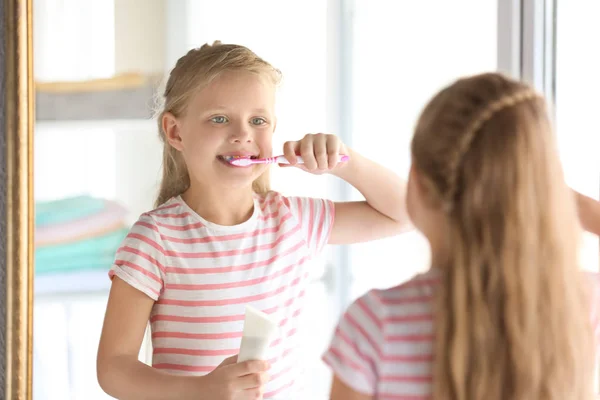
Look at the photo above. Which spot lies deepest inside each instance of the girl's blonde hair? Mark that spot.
(193, 72)
(512, 316)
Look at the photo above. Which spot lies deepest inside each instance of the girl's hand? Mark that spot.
(320, 152)
(235, 381)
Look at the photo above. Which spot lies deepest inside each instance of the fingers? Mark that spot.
(249, 367)
(253, 394)
(243, 380)
(333, 151)
(307, 152)
(289, 151)
(249, 376)
(253, 381)
(320, 149)
(229, 361)
(320, 152)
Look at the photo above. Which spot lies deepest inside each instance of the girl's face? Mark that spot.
(233, 115)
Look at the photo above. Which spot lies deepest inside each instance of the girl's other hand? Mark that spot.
(236, 381)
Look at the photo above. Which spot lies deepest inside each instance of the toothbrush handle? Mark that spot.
(283, 160)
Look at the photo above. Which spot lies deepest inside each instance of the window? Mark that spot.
(577, 87)
(74, 40)
(405, 52)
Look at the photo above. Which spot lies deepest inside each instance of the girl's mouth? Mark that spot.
(228, 159)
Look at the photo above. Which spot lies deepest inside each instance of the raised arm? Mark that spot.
(381, 214)
(589, 213)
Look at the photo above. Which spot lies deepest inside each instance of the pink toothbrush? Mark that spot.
(246, 161)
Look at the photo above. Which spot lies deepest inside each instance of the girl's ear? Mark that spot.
(170, 126)
(420, 185)
(415, 176)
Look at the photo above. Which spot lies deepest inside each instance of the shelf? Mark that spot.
(123, 126)
(123, 97)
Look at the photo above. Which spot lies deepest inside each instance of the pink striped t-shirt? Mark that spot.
(383, 345)
(201, 276)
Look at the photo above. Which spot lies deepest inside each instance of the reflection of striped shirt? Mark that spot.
(383, 345)
(201, 276)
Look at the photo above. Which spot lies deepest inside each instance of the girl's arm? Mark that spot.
(122, 376)
(341, 391)
(589, 213)
(382, 214)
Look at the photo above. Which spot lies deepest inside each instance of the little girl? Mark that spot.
(503, 314)
(220, 239)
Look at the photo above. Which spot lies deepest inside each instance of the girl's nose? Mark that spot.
(241, 135)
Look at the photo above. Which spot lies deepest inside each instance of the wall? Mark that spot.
(137, 46)
(140, 36)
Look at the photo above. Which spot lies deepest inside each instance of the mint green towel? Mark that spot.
(67, 209)
(95, 252)
(88, 263)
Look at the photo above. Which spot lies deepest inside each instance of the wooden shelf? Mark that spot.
(126, 96)
(117, 82)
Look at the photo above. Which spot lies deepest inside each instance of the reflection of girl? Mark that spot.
(220, 239)
(509, 306)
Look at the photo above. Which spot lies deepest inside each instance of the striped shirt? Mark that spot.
(201, 276)
(383, 345)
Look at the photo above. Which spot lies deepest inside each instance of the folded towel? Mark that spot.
(96, 252)
(108, 219)
(98, 262)
(68, 209)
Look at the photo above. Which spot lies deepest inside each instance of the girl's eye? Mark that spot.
(219, 119)
(258, 121)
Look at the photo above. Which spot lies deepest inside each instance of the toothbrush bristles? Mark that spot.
(241, 162)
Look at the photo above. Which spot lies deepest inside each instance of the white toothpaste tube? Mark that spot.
(259, 332)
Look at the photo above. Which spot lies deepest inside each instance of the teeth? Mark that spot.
(229, 158)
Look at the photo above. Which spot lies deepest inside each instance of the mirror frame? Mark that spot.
(18, 130)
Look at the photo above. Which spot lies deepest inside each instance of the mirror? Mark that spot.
(97, 155)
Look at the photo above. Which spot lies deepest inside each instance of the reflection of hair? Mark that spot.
(192, 72)
(512, 317)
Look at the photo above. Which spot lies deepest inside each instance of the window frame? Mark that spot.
(527, 51)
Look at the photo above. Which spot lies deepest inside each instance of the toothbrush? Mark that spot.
(245, 161)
